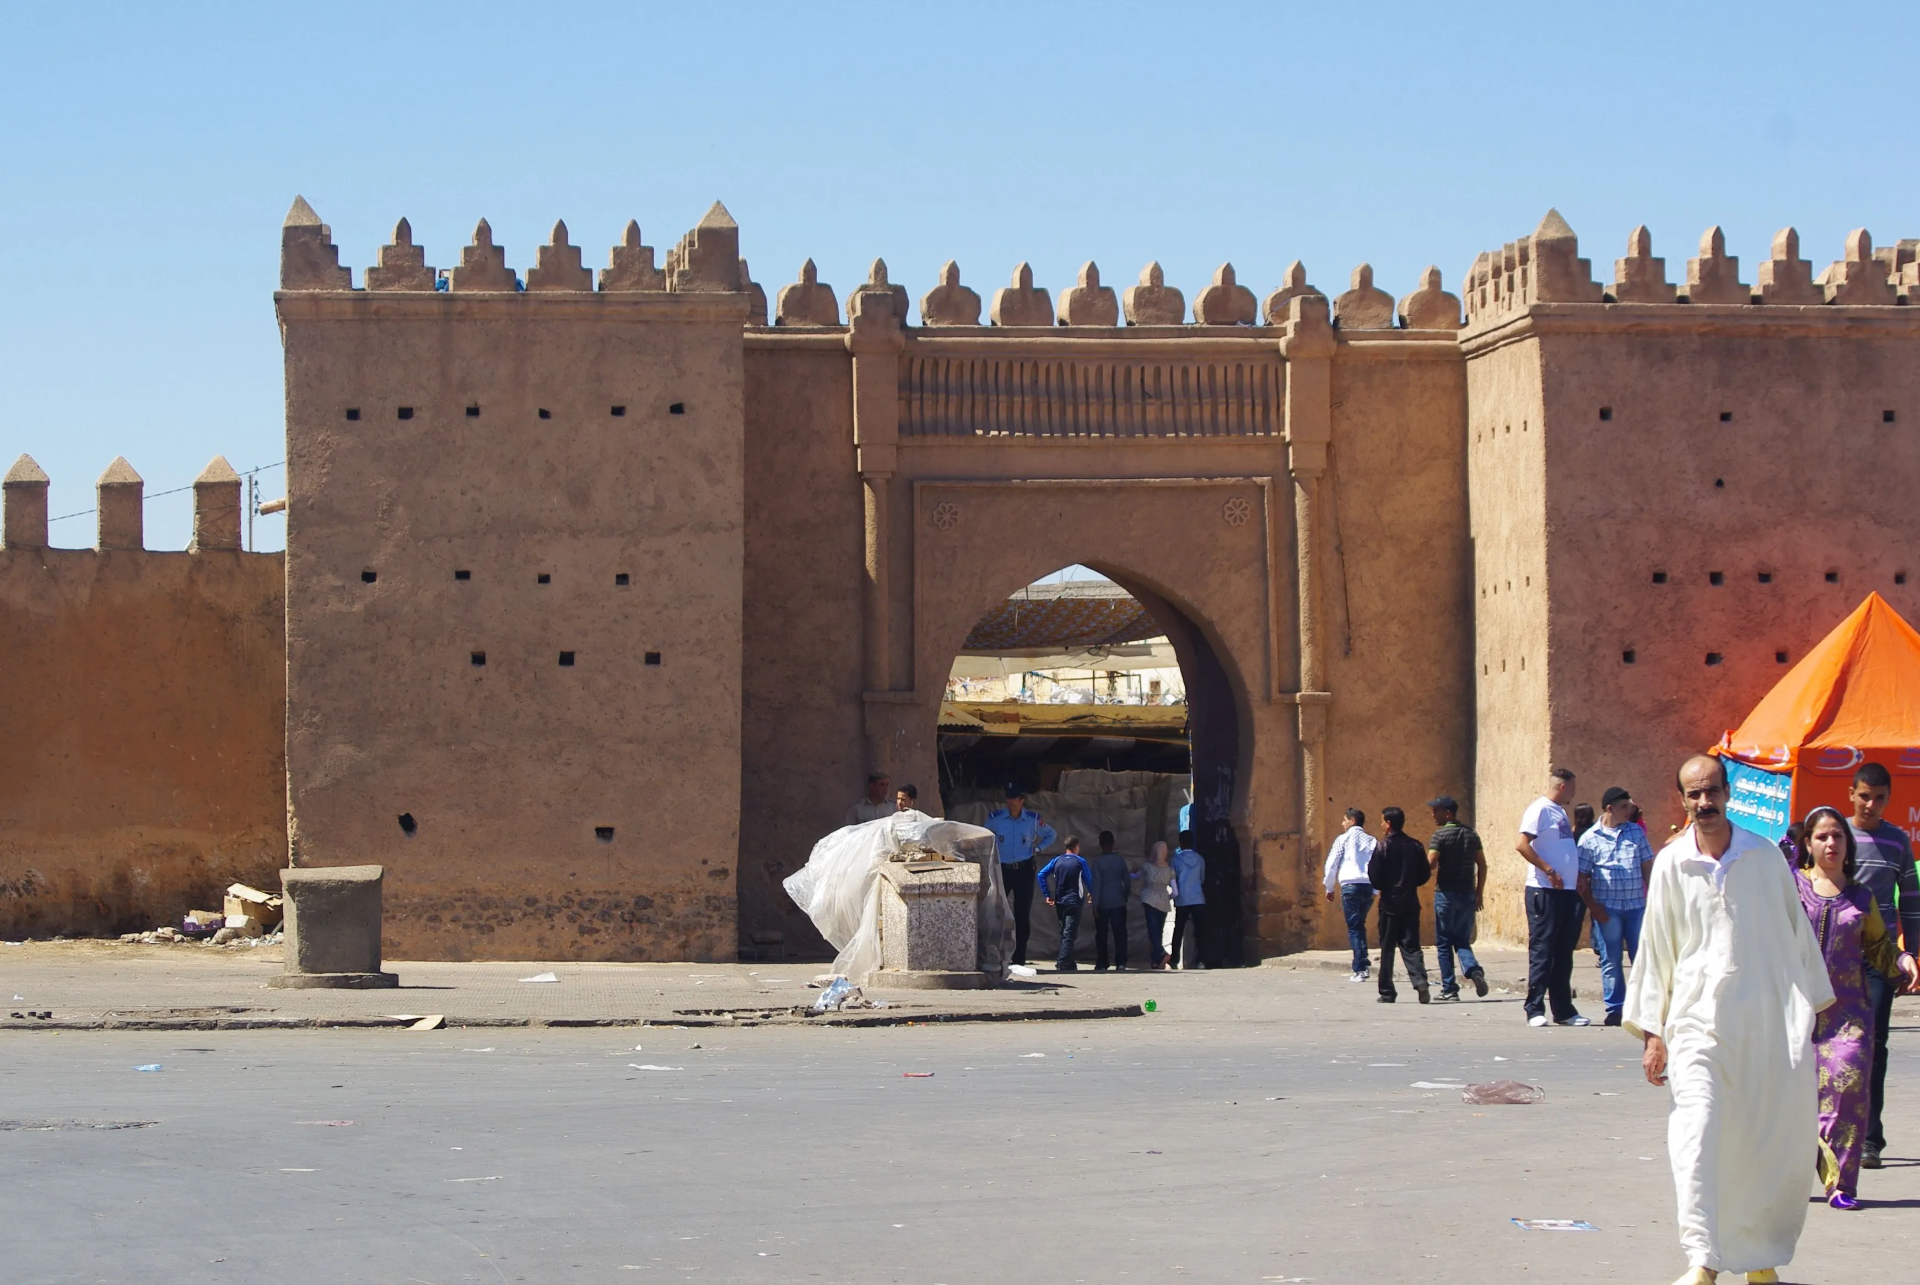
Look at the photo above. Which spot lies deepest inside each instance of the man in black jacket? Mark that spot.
(1398, 868)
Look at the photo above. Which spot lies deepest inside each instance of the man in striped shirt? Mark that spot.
(1885, 864)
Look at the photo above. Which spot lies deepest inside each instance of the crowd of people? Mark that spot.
(1772, 1039)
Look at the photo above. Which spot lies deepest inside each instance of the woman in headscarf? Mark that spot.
(1847, 922)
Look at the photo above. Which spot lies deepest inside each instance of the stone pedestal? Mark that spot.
(928, 925)
(333, 928)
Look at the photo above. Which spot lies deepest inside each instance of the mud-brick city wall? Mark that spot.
(142, 702)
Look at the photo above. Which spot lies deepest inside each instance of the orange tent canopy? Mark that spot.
(1859, 688)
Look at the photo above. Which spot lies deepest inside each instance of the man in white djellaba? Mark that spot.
(1723, 993)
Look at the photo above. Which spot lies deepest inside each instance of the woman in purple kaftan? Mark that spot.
(1847, 922)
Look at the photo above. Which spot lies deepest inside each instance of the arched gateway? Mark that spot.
(755, 550)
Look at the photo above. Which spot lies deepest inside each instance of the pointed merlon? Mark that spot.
(1640, 277)
(950, 303)
(403, 233)
(483, 265)
(559, 236)
(809, 274)
(1022, 303)
(1226, 302)
(1860, 278)
(216, 472)
(949, 275)
(301, 215)
(1859, 246)
(1786, 243)
(120, 473)
(25, 472)
(895, 297)
(557, 264)
(483, 233)
(1430, 307)
(1365, 306)
(1087, 302)
(717, 217)
(806, 302)
(631, 237)
(1554, 228)
(1293, 285)
(1023, 276)
(1713, 243)
(1153, 274)
(1153, 302)
(878, 275)
(1786, 278)
(1714, 277)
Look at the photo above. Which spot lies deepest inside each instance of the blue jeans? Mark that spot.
(1453, 914)
(1069, 913)
(1156, 933)
(1356, 899)
(1613, 941)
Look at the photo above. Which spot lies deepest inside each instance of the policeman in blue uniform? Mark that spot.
(1022, 835)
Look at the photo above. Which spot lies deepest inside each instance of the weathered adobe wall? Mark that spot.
(143, 696)
(589, 534)
(1397, 593)
(1746, 446)
(1509, 677)
(802, 749)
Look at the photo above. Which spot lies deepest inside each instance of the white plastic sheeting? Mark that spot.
(839, 887)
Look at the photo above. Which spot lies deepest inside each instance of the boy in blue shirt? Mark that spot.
(1189, 900)
(1066, 884)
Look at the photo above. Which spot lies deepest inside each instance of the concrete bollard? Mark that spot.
(333, 928)
(928, 937)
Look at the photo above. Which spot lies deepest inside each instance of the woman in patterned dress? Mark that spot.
(1851, 933)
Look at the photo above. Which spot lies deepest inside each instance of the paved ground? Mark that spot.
(1261, 1126)
(91, 983)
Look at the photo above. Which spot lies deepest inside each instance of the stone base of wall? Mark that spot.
(589, 924)
(127, 880)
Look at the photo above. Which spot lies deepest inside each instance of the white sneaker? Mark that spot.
(1356, 977)
(1575, 1020)
(1538, 1019)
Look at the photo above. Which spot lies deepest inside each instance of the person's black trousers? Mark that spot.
(1018, 876)
(1880, 995)
(1187, 918)
(1554, 916)
(1111, 922)
(1400, 930)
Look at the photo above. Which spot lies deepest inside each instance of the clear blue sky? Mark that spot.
(149, 153)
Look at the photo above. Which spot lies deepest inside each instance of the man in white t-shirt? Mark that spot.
(1554, 909)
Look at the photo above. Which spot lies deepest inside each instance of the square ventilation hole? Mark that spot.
(1833, 577)
(407, 824)
(369, 576)
(1714, 658)
(1899, 577)
(1716, 577)
(545, 413)
(478, 658)
(617, 411)
(353, 414)
(1626, 657)
(1720, 483)
(1659, 577)
(1886, 417)
(543, 578)
(653, 658)
(1606, 413)
(1764, 577)
(1779, 657)
(566, 660)
(1726, 417)
(405, 412)
(463, 575)
(678, 408)
(604, 833)
(473, 412)
(622, 578)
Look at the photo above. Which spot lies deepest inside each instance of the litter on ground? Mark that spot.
(541, 977)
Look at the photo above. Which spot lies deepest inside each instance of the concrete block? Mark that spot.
(928, 915)
(333, 928)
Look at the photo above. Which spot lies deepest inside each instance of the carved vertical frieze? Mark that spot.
(26, 505)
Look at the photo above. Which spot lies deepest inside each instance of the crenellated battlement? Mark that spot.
(120, 504)
(1547, 268)
(707, 260)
